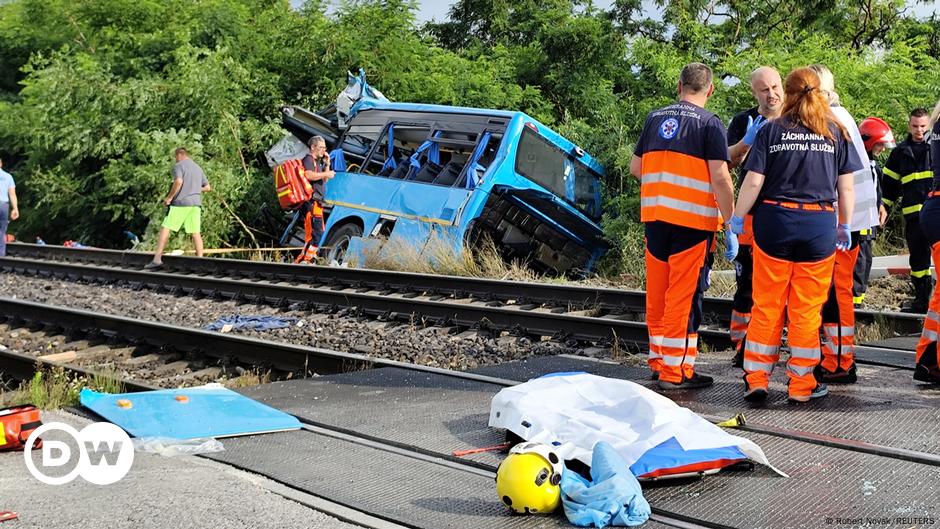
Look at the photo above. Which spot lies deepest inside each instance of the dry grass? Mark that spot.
(439, 256)
(54, 388)
(254, 377)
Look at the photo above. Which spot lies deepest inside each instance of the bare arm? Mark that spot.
(177, 185)
(14, 205)
(846, 187)
(721, 185)
(737, 152)
(636, 165)
(325, 174)
(747, 196)
(206, 188)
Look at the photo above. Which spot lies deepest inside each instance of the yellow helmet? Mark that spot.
(527, 480)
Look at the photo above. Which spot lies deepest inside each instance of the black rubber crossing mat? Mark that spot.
(884, 407)
(386, 484)
(899, 342)
(439, 414)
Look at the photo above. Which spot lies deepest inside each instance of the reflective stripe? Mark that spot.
(912, 209)
(656, 340)
(738, 334)
(680, 343)
(681, 205)
(655, 356)
(760, 348)
(809, 353)
(891, 173)
(922, 175)
(800, 371)
(750, 365)
(858, 299)
(887, 202)
(683, 181)
(835, 331)
(931, 315)
(920, 273)
(928, 334)
(676, 361)
(737, 317)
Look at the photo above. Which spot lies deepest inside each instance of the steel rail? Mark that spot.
(717, 310)
(537, 322)
(291, 357)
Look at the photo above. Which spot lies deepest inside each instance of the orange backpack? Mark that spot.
(293, 189)
(16, 423)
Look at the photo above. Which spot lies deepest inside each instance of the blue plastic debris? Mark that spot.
(612, 497)
(188, 413)
(254, 323)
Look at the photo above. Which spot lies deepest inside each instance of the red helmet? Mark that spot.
(875, 131)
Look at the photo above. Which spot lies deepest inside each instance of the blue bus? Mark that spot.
(412, 170)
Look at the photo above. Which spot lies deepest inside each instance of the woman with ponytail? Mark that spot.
(928, 357)
(800, 166)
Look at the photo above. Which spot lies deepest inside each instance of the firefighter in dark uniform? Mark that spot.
(767, 88)
(799, 166)
(908, 177)
(928, 356)
(685, 192)
(877, 135)
(317, 170)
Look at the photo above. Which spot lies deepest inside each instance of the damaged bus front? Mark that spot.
(415, 172)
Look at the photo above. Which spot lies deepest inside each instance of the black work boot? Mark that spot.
(926, 369)
(923, 287)
(697, 381)
(840, 376)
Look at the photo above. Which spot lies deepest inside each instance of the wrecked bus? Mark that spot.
(416, 170)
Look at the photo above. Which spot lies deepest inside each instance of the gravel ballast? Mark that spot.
(403, 341)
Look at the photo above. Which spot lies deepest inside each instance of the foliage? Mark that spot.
(99, 92)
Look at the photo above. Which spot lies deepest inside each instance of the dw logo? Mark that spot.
(105, 454)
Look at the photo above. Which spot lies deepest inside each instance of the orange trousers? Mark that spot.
(672, 292)
(313, 231)
(931, 330)
(838, 346)
(786, 290)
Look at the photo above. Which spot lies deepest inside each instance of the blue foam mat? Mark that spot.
(206, 412)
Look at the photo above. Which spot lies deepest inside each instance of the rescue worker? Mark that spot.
(928, 355)
(681, 160)
(317, 171)
(800, 164)
(908, 177)
(838, 315)
(767, 88)
(878, 137)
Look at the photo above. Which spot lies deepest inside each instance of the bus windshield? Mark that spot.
(557, 171)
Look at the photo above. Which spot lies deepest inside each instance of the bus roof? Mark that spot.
(369, 103)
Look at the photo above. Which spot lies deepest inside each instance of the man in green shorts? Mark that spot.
(185, 201)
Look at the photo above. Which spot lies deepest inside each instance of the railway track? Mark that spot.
(166, 338)
(584, 313)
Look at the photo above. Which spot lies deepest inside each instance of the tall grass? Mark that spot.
(54, 388)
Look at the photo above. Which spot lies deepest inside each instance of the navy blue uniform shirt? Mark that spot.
(799, 165)
(684, 128)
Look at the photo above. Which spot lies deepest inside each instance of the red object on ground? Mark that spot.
(461, 453)
(6, 516)
(16, 424)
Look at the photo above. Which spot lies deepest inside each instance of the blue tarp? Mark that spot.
(187, 413)
(255, 323)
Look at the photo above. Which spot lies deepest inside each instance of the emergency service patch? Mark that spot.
(669, 128)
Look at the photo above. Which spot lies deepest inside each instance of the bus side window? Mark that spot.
(356, 144)
(405, 140)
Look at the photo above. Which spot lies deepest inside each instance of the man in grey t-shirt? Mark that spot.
(185, 201)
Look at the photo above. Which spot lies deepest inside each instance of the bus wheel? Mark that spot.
(338, 242)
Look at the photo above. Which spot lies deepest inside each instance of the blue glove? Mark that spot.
(753, 125)
(736, 225)
(731, 245)
(843, 237)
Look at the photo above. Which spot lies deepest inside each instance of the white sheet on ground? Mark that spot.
(583, 409)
